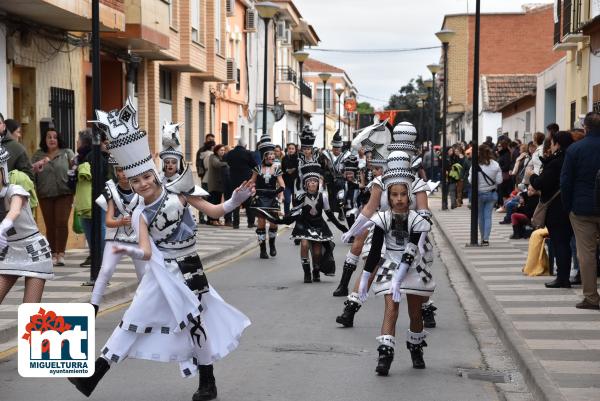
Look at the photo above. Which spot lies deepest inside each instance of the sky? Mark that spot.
(386, 24)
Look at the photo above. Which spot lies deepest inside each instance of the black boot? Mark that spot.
(347, 317)
(207, 389)
(272, 237)
(516, 233)
(306, 268)
(416, 354)
(386, 356)
(316, 275)
(86, 385)
(428, 313)
(261, 234)
(342, 289)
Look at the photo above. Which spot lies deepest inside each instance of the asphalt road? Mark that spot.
(294, 350)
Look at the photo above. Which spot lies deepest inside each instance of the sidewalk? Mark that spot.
(216, 245)
(556, 345)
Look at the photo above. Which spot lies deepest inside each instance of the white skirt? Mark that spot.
(160, 323)
(29, 257)
(413, 283)
(367, 245)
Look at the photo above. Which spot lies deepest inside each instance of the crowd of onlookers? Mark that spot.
(549, 191)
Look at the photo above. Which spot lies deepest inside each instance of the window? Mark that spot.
(573, 114)
(62, 109)
(201, 122)
(528, 121)
(328, 99)
(188, 129)
(166, 89)
(196, 21)
(218, 12)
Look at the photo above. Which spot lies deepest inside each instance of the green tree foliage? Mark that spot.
(364, 108)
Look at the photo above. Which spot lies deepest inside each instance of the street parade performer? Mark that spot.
(375, 139)
(333, 168)
(269, 191)
(350, 191)
(404, 136)
(175, 314)
(171, 155)
(118, 201)
(310, 227)
(24, 251)
(402, 270)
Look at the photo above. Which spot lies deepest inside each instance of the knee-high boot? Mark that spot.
(306, 269)
(207, 389)
(86, 385)
(386, 354)
(272, 237)
(349, 267)
(261, 234)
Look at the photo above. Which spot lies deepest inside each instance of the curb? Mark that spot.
(116, 293)
(536, 377)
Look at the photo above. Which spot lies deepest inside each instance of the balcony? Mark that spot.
(288, 91)
(68, 15)
(146, 32)
(305, 89)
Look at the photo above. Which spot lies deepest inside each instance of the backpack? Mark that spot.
(456, 172)
(200, 169)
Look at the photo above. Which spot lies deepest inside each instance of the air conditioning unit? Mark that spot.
(231, 70)
(250, 20)
(230, 7)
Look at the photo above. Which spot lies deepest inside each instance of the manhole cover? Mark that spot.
(485, 375)
(314, 349)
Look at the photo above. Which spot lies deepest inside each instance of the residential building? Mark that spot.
(327, 102)
(511, 43)
(591, 28)
(513, 96)
(550, 96)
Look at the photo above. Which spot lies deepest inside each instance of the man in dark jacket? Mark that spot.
(241, 162)
(18, 155)
(289, 166)
(580, 185)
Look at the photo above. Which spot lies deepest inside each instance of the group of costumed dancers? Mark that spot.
(149, 219)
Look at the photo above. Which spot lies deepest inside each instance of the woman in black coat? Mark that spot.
(505, 162)
(557, 219)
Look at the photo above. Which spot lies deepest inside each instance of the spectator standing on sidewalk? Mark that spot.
(537, 155)
(202, 157)
(505, 161)
(454, 174)
(51, 164)
(557, 218)
(18, 155)
(241, 162)
(580, 189)
(13, 127)
(289, 166)
(489, 177)
(215, 179)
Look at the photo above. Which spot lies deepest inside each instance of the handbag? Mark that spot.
(77, 229)
(538, 220)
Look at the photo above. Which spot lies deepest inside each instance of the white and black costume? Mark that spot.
(124, 202)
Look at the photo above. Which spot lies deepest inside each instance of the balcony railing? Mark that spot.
(287, 74)
(305, 89)
(566, 17)
(571, 16)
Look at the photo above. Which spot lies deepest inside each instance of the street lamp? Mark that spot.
(474, 202)
(445, 35)
(301, 57)
(339, 92)
(428, 83)
(267, 11)
(434, 69)
(324, 77)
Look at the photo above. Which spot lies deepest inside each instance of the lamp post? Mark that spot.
(267, 11)
(434, 69)
(444, 36)
(475, 136)
(301, 57)
(339, 92)
(429, 85)
(324, 77)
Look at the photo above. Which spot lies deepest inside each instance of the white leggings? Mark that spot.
(109, 265)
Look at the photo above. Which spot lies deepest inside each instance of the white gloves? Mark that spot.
(6, 225)
(363, 287)
(237, 198)
(397, 279)
(360, 225)
(134, 252)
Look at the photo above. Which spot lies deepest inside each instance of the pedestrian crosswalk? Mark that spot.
(565, 341)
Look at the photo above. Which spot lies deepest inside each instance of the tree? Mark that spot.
(406, 99)
(364, 108)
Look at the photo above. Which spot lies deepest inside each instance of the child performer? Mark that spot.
(175, 314)
(402, 270)
(269, 191)
(24, 251)
(171, 155)
(118, 201)
(310, 228)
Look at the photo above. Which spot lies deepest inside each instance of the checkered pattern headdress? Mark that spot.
(399, 170)
(171, 143)
(404, 137)
(310, 170)
(307, 138)
(337, 140)
(127, 143)
(265, 145)
(351, 164)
